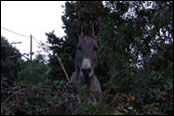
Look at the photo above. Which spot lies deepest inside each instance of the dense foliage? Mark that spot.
(135, 63)
(9, 61)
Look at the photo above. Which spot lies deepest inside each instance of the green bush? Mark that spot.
(135, 64)
(10, 58)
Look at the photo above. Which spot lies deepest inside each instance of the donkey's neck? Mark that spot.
(89, 81)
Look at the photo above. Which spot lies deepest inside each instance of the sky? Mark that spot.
(31, 18)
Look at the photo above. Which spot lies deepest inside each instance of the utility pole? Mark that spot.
(31, 48)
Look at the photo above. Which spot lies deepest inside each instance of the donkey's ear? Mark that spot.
(95, 28)
(80, 27)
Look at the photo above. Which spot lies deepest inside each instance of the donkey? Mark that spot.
(86, 61)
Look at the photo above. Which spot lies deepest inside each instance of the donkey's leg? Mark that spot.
(76, 78)
(95, 90)
(95, 85)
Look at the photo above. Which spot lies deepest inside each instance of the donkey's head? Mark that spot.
(86, 53)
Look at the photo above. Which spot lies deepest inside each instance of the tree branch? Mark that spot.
(62, 67)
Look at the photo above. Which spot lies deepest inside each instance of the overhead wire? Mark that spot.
(36, 40)
(15, 32)
(20, 34)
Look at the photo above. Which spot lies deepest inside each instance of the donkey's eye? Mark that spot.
(95, 48)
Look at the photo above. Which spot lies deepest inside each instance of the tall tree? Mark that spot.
(135, 46)
(64, 46)
(9, 61)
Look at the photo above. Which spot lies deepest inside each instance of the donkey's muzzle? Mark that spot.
(86, 72)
